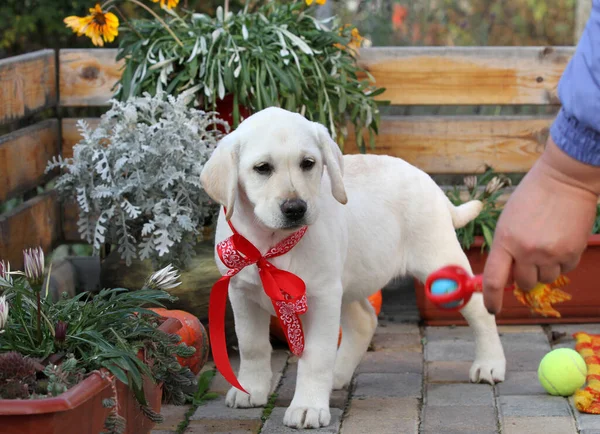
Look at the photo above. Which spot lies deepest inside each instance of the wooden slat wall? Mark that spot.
(88, 76)
(27, 84)
(437, 144)
(462, 144)
(467, 75)
(24, 155)
(36, 222)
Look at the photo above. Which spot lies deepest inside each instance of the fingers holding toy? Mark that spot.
(542, 232)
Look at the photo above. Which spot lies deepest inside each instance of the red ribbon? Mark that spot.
(286, 291)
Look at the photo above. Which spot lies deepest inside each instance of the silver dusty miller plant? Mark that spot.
(136, 177)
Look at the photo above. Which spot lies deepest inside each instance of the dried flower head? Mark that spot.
(3, 312)
(164, 279)
(496, 183)
(5, 278)
(60, 331)
(470, 182)
(34, 265)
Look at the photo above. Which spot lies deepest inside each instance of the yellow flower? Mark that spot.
(96, 26)
(356, 40)
(170, 3)
(319, 2)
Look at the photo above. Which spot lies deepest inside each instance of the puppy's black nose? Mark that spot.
(293, 209)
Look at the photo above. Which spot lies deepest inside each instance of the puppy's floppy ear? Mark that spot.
(334, 160)
(219, 175)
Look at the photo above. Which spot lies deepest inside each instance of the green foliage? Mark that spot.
(596, 228)
(486, 188)
(199, 398)
(463, 22)
(276, 55)
(107, 330)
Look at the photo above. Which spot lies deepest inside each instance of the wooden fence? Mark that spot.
(45, 80)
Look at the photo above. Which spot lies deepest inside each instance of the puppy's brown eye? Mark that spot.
(307, 164)
(263, 168)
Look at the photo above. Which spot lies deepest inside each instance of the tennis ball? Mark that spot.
(562, 372)
(445, 286)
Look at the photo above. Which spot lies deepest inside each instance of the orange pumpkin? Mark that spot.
(193, 334)
(276, 331)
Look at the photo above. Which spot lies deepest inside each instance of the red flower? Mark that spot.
(399, 14)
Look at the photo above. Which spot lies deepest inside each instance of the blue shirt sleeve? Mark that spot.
(576, 129)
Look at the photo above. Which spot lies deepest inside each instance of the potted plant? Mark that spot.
(136, 182)
(86, 363)
(476, 238)
(271, 53)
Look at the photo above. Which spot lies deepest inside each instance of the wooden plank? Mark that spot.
(32, 224)
(24, 155)
(461, 144)
(411, 75)
(27, 84)
(70, 215)
(71, 135)
(467, 75)
(87, 76)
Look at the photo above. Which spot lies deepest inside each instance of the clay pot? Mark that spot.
(584, 306)
(79, 410)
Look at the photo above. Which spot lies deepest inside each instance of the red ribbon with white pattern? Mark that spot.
(286, 291)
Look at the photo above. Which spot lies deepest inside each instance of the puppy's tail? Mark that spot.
(463, 214)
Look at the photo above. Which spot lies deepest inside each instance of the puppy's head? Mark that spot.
(276, 160)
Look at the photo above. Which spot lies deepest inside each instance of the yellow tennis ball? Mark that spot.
(562, 372)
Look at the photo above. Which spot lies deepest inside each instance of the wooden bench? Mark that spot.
(49, 82)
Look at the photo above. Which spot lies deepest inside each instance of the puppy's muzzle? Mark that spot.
(293, 210)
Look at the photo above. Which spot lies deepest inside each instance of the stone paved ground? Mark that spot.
(415, 380)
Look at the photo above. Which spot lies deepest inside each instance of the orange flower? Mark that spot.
(97, 26)
(170, 3)
(319, 2)
(356, 40)
(398, 15)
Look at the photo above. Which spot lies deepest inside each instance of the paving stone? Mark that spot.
(278, 362)
(524, 360)
(587, 421)
(172, 415)
(533, 406)
(274, 425)
(439, 395)
(458, 420)
(384, 327)
(382, 416)
(564, 344)
(504, 329)
(216, 409)
(396, 362)
(448, 372)
(589, 431)
(547, 425)
(521, 383)
(455, 351)
(388, 385)
(434, 334)
(570, 329)
(389, 342)
(162, 431)
(222, 426)
(525, 341)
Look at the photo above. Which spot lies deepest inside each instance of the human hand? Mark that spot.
(544, 227)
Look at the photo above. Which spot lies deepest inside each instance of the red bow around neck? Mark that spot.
(286, 291)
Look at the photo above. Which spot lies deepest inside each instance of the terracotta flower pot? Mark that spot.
(79, 410)
(584, 307)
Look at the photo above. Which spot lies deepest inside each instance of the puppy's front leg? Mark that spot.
(321, 323)
(252, 330)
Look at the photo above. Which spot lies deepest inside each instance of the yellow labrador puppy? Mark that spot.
(370, 218)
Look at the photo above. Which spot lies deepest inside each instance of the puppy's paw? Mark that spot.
(306, 417)
(237, 399)
(490, 371)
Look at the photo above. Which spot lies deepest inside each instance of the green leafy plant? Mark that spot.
(596, 228)
(277, 54)
(75, 337)
(487, 188)
(136, 178)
